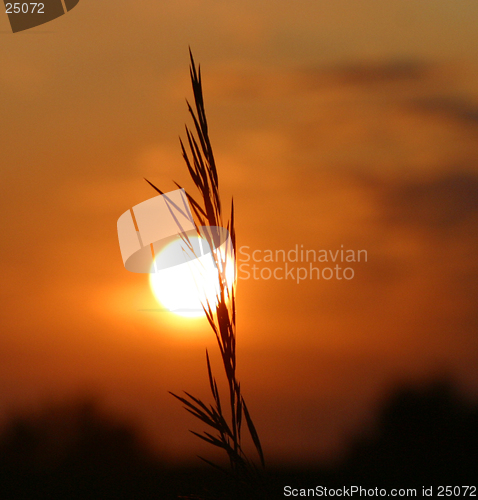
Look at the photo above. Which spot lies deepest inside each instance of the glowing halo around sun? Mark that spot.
(184, 288)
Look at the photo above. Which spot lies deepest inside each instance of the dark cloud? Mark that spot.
(369, 73)
(440, 203)
(458, 108)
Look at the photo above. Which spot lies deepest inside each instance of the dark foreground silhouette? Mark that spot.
(424, 438)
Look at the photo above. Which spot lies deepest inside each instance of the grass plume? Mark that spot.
(225, 428)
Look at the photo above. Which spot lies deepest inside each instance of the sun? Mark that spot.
(184, 288)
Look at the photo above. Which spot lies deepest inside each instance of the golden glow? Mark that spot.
(184, 288)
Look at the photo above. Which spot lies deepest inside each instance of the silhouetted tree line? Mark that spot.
(424, 437)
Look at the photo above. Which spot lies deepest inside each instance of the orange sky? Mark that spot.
(333, 123)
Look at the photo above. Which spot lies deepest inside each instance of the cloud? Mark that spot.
(438, 203)
(368, 73)
(455, 107)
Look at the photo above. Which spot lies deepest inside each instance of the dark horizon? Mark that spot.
(424, 436)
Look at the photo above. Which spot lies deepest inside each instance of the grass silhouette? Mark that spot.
(225, 428)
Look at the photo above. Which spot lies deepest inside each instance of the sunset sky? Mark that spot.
(333, 123)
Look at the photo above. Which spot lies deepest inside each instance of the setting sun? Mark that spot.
(184, 288)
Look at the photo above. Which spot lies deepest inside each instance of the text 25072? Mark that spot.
(456, 491)
(25, 8)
